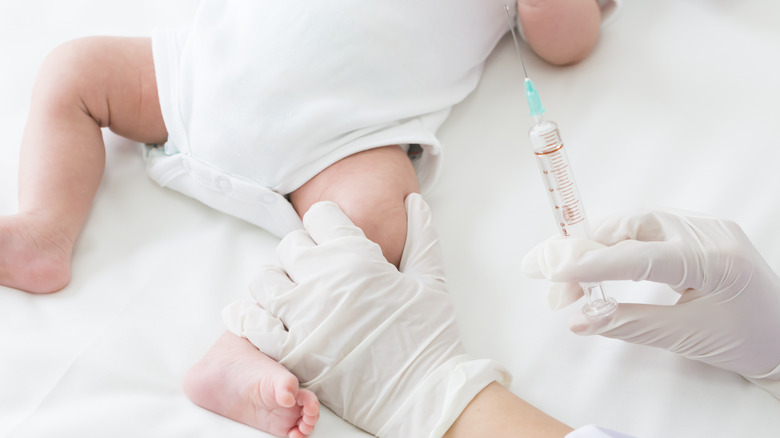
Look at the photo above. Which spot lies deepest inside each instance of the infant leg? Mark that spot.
(370, 187)
(82, 86)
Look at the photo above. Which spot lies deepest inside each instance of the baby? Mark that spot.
(261, 109)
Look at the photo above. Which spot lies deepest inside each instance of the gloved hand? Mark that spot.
(728, 314)
(379, 347)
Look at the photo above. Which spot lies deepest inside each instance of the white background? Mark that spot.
(677, 107)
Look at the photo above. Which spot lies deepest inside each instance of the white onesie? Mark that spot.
(260, 96)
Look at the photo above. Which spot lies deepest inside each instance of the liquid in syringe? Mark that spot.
(558, 178)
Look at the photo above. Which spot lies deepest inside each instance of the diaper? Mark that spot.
(258, 97)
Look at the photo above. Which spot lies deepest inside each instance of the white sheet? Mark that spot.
(676, 107)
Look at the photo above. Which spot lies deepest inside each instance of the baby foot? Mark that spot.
(34, 255)
(234, 379)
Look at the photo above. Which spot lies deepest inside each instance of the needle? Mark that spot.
(514, 37)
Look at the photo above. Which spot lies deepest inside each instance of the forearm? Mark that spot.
(560, 31)
(496, 411)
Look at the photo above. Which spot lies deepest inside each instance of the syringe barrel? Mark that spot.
(566, 203)
(558, 179)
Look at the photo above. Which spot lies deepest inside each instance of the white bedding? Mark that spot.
(677, 107)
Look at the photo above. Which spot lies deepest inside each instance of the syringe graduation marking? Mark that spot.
(563, 185)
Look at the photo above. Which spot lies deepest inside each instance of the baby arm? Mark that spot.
(560, 31)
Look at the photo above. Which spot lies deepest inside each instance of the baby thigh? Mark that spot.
(110, 79)
(82, 86)
(370, 187)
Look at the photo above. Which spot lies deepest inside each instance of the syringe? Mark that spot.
(561, 189)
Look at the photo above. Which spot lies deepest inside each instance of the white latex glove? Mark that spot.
(728, 314)
(379, 347)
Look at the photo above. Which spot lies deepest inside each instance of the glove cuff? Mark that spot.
(438, 401)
